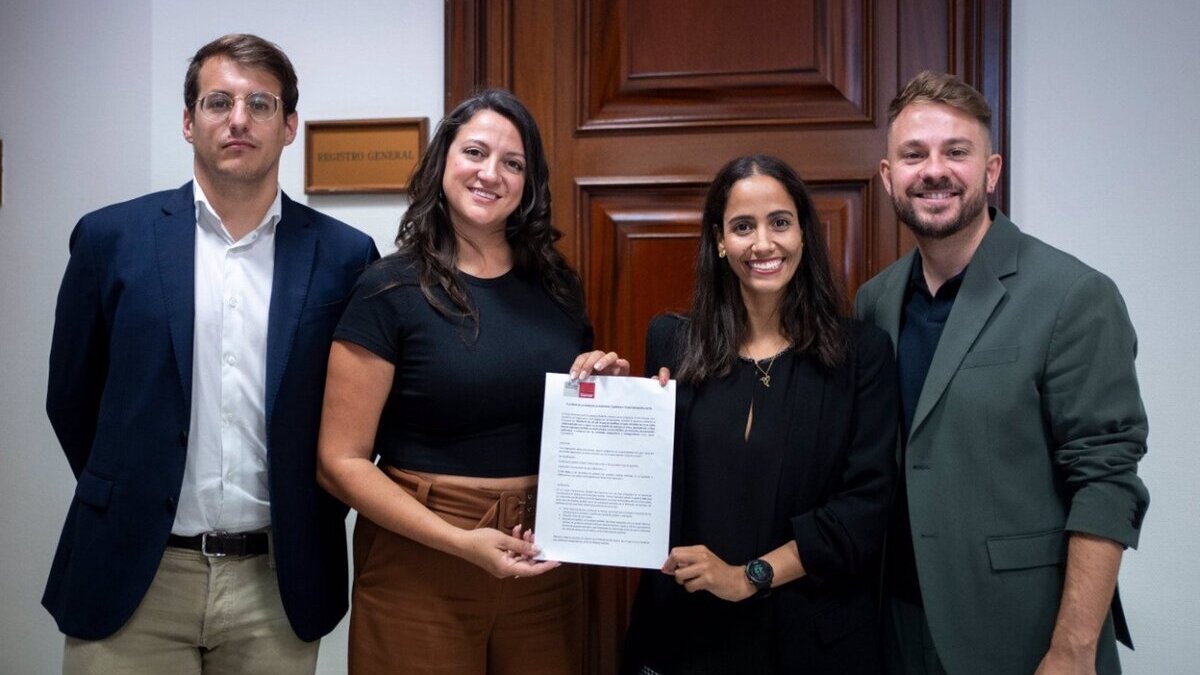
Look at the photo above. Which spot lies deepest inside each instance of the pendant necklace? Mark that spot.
(766, 374)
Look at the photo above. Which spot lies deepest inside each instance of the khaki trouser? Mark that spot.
(418, 611)
(217, 616)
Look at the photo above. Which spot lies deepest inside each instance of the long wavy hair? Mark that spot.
(426, 237)
(811, 313)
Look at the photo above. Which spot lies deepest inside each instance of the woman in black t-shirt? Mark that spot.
(438, 369)
(785, 434)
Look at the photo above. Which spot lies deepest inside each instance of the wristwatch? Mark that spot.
(760, 574)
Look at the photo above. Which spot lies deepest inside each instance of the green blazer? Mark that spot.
(1030, 425)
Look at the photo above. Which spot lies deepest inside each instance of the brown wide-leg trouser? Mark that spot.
(418, 610)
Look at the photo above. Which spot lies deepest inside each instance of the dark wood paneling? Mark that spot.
(479, 47)
(842, 208)
(764, 36)
(760, 62)
(641, 237)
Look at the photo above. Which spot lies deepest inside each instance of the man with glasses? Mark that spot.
(186, 377)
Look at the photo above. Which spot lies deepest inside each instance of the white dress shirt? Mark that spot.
(225, 478)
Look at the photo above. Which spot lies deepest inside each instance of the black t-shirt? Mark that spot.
(461, 404)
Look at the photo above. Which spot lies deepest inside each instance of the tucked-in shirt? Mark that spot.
(921, 322)
(225, 478)
(461, 403)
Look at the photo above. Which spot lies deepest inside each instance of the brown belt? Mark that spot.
(501, 509)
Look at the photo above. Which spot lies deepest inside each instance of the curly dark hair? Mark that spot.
(426, 236)
(811, 315)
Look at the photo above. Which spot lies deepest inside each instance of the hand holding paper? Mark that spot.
(604, 488)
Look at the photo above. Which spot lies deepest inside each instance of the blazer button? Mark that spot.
(183, 438)
(170, 505)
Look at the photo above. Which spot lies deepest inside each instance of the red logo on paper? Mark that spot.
(587, 390)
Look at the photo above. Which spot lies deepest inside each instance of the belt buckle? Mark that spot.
(204, 545)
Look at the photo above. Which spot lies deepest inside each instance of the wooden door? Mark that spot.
(641, 101)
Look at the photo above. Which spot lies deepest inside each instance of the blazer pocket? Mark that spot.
(990, 357)
(1026, 551)
(322, 311)
(93, 490)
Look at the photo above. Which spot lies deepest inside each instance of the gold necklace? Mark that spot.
(766, 374)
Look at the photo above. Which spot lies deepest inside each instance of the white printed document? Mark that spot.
(604, 486)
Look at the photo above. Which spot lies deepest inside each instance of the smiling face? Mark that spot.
(939, 170)
(761, 237)
(485, 174)
(238, 149)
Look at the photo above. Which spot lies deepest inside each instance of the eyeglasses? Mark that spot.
(260, 105)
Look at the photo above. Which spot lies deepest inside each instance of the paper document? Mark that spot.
(604, 486)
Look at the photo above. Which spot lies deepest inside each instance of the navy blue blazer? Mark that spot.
(119, 399)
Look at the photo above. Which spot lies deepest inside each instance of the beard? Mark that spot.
(970, 210)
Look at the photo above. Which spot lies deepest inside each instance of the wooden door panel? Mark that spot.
(640, 245)
(844, 213)
(641, 101)
(646, 64)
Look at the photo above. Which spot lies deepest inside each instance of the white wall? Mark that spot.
(91, 105)
(1104, 148)
(1105, 158)
(74, 109)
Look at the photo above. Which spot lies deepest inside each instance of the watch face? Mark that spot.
(759, 571)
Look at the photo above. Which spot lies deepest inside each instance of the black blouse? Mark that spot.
(818, 469)
(723, 462)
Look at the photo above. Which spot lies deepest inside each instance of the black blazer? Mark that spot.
(835, 477)
(119, 400)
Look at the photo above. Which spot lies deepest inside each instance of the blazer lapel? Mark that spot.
(806, 399)
(886, 313)
(891, 302)
(175, 250)
(978, 298)
(295, 249)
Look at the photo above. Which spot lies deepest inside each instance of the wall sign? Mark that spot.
(361, 156)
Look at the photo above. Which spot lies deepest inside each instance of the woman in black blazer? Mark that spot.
(785, 441)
